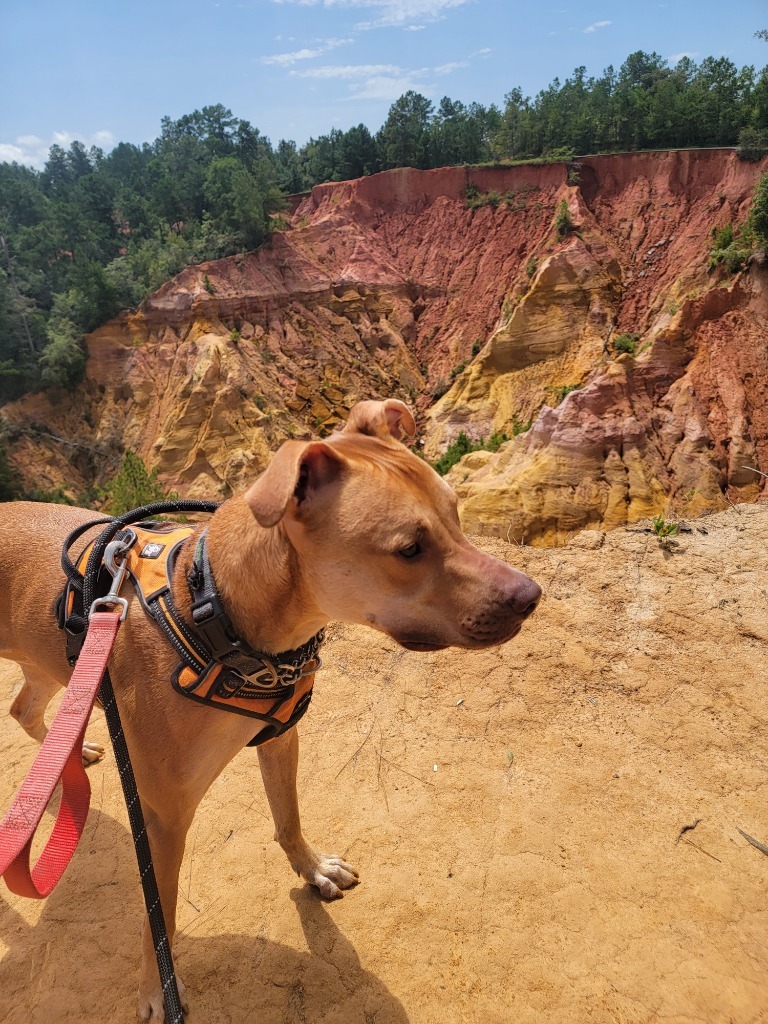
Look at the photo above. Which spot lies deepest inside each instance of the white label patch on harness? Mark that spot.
(152, 550)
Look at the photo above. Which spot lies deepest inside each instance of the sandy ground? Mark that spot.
(514, 814)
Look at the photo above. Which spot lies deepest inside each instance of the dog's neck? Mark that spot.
(258, 579)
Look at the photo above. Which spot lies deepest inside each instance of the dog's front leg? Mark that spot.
(278, 759)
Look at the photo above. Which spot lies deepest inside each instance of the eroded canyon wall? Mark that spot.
(481, 317)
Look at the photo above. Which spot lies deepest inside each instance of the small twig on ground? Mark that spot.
(205, 915)
(399, 769)
(380, 784)
(191, 859)
(755, 842)
(352, 758)
(687, 828)
(688, 841)
(758, 471)
(189, 901)
(734, 507)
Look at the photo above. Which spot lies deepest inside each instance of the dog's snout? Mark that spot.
(524, 597)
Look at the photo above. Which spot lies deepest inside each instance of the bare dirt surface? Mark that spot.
(515, 816)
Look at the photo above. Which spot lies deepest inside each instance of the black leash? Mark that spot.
(173, 1011)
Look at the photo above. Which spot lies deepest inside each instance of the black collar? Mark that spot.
(218, 634)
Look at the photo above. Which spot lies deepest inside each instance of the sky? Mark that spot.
(106, 71)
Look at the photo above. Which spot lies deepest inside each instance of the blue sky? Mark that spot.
(107, 70)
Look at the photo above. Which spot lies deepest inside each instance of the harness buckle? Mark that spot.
(116, 549)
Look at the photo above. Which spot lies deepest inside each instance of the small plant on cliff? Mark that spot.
(520, 427)
(279, 222)
(758, 214)
(463, 446)
(563, 223)
(532, 266)
(731, 248)
(663, 528)
(133, 486)
(208, 284)
(562, 391)
(625, 343)
(234, 336)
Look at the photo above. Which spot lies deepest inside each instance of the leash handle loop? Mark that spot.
(59, 757)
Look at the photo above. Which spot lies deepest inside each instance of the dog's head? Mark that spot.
(378, 537)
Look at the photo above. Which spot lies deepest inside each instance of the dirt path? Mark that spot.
(514, 815)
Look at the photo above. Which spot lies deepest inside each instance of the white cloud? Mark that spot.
(285, 60)
(675, 57)
(448, 69)
(348, 71)
(384, 81)
(392, 13)
(596, 25)
(383, 87)
(33, 151)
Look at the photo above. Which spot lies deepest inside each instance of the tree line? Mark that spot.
(93, 233)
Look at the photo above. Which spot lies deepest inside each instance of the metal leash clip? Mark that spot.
(116, 549)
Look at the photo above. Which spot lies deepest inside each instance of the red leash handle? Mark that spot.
(59, 757)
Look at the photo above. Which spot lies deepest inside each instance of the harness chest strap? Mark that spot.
(215, 667)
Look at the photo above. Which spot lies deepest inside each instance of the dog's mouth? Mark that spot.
(421, 645)
(471, 640)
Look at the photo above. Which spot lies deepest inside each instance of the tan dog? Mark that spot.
(356, 529)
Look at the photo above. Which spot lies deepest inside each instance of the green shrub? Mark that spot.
(731, 248)
(663, 528)
(722, 237)
(625, 343)
(757, 223)
(234, 336)
(133, 486)
(532, 266)
(208, 284)
(494, 442)
(563, 223)
(463, 446)
(562, 391)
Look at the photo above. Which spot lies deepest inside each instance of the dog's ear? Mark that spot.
(298, 470)
(382, 419)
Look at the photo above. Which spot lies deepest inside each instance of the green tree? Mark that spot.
(63, 359)
(404, 136)
(134, 486)
(758, 214)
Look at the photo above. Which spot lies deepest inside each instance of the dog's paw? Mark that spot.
(92, 752)
(330, 874)
(151, 1003)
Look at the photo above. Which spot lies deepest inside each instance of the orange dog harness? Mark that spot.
(215, 667)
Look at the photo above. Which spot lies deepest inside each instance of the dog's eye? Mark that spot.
(411, 551)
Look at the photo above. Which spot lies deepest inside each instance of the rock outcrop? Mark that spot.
(483, 316)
